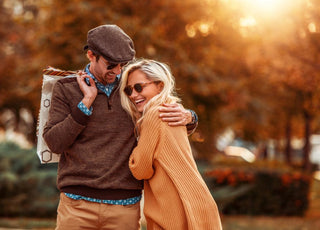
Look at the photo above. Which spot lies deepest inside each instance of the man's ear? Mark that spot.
(90, 56)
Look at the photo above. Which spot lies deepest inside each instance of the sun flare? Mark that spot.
(268, 7)
(258, 12)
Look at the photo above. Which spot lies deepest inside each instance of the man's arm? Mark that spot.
(66, 122)
(176, 115)
(61, 128)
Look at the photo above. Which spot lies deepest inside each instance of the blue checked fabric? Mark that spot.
(128, 201)
(107, 89)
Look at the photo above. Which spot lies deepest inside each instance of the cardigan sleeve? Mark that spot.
(141, 159)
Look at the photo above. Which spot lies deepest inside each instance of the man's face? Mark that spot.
(99, 68)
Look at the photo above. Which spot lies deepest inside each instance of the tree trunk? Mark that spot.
(306, 148)
(264, 150)
(288, 149)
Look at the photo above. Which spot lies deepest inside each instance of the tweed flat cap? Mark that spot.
(111, 42)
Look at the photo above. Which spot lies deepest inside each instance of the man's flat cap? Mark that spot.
(111, 42)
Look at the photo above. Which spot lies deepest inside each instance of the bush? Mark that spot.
(259, 191)
(27, 188)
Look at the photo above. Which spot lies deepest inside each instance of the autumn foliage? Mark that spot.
(236, 67)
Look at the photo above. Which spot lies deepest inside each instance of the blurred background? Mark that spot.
(248, 68)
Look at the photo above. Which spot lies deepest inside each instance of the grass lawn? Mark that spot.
(26, 223)
(270, 223)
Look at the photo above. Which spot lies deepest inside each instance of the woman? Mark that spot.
(176, 197)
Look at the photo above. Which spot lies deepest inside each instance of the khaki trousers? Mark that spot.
(81, 214)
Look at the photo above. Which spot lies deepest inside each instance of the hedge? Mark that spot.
(27, 188)
(259, 191)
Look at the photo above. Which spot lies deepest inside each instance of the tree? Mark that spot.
(257, 78)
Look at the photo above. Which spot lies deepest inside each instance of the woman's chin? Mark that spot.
(140, 107)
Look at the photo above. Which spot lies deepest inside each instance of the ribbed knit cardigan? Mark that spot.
(176, 196)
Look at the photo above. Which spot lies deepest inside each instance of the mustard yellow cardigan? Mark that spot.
(176, 197)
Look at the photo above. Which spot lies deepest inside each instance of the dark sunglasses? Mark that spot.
(112, 66)
(138, 87)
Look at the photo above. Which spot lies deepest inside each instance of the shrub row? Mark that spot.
(259, 192)
(27, 188)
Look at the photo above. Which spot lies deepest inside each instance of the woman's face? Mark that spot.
(149, 90)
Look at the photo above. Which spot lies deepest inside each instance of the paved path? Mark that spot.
(314, 198)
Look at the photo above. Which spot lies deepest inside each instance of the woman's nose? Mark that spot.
(134, 93)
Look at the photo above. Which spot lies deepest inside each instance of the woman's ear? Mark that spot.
(160, 86)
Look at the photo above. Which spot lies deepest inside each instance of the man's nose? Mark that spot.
(117, 69)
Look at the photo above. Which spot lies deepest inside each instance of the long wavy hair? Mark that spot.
(154, 71)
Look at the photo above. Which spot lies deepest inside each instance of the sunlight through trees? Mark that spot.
(247, 65)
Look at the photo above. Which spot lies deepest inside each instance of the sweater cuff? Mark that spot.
(79, 116)
(191, 128)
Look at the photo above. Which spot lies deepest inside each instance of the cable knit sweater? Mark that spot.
(176, 197)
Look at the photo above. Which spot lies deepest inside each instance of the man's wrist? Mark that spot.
(194, 117)
(87, 111)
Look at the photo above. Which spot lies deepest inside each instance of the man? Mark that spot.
(95, 137)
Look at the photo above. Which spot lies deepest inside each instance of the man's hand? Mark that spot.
(89, 91)
(175, 114)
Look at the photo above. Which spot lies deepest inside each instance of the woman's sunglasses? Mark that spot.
(138, 87)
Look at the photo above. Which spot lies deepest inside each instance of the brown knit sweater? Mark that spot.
(176, 197)
(94, 149)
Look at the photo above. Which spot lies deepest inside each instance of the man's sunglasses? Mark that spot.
(138, 87)
(112, 66)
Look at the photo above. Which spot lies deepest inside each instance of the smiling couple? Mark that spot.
(94, 123)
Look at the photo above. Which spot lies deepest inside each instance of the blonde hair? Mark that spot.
(154, 71)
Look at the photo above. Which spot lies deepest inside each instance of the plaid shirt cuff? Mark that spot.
(84, 109)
